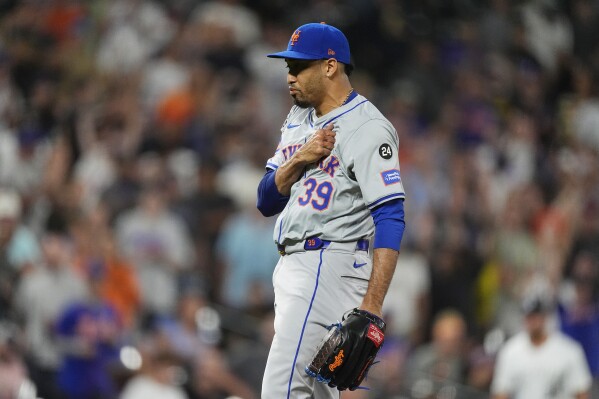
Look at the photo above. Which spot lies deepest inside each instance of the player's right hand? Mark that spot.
(318, 146)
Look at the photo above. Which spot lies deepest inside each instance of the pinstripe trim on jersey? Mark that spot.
(272, 166)
(335, 117)
(305, 171)
(385, 198)
(343, 113)
(299, 344)
(280, 231)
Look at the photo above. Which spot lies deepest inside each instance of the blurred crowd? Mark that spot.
(133, 134)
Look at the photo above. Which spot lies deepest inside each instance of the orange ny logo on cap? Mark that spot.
(295, 37)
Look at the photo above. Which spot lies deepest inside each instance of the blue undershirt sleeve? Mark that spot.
(270, 200)
(389, 224)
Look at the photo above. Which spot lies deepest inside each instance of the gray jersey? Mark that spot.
(332, 199)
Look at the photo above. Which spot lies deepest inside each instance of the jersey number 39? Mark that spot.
(321, 191)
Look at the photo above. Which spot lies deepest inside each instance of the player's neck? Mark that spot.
(538, 338)
(334, 98)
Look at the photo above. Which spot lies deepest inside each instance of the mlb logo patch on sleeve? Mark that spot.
(391, 176)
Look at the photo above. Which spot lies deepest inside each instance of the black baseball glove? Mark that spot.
(348, 350)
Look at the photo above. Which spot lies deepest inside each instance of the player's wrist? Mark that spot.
(375, 310)
(300, 159)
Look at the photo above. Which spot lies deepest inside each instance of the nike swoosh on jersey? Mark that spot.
(290, 126)
(358, 265)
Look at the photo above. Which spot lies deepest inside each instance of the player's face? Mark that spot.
(535, 324)
(305, 80)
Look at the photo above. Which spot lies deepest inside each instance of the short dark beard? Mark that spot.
(301, 104)
(537, 337)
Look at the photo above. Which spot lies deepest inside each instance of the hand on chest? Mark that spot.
(325, 166)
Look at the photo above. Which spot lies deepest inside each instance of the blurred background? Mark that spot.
(133, 133)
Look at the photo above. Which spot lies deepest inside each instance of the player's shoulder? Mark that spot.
(370, 109)
(516, 344)
(364, 114)
(561, 340)
(365, 121)
(362, 108)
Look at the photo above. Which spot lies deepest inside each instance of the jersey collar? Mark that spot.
(337, 112)
(334, 114)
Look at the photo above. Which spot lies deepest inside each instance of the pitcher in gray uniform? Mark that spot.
(335, 180)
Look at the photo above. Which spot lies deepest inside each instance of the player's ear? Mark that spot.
(331, 66)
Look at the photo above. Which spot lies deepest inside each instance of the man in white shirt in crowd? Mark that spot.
(539, 363)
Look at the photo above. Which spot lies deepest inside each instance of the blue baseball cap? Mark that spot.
(316, 41)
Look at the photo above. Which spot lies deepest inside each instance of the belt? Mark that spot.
(312, 244)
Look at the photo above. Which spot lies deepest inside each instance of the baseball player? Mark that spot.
(539, 363)
(335, 180)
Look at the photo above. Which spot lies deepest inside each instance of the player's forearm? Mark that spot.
(270, 201)
(384, 262)
(389, 227)
(288, 173)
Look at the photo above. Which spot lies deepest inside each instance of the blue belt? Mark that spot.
(312, 244)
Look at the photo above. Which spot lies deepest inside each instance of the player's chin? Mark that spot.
(300, 102)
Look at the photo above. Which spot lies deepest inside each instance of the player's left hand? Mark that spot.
(349, 349)
(318, 146)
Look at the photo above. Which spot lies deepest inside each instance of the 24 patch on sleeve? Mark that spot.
(385, 151)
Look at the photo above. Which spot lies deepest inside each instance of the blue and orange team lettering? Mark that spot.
(329, 165)
(290, 150)
(321, 200)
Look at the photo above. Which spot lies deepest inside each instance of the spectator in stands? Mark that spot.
(442, 361)
(205, 211)
(248, 256)
(90, 335)
(40, 298)
(578, 309)
(97, 257)
(527, 366)
(19, 248)
(157, 380)
(194, 337)
(14, 381)
(159, 246)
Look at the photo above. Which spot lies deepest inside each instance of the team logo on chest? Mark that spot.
(290, 150)
(329, 165)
